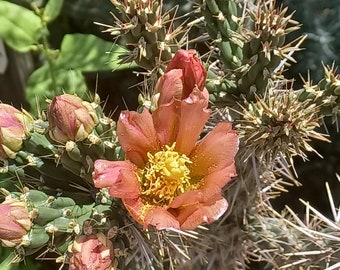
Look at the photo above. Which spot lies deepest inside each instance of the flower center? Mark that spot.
(165, 176)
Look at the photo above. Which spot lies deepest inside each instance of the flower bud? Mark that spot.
(14, 127)
(93, 252)
(70, 118)
(184, 73)
(15, 222)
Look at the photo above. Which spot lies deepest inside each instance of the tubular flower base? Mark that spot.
(170, 180)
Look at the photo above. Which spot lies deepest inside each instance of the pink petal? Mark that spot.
(170, 86)
(194, 115)
(10, 230)
(216, 151)
(215, 181)
(137, 135)
(205, 93)
(161, 219)
(118, 176)
(166, 121)
(135, 208)
(148, 215)
(203, 213)
(8, 120)
(193, 70)
(8, 109)
(127, 187)
(106, 172)
(187, 198)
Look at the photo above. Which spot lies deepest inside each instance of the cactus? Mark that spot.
(148, 32)
(258, 47)
(223, 25)
(86, 182)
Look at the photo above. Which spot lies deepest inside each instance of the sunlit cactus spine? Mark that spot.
(148, 31)
(260, 35)
(275, 123)
(311, 242)
(325, 93)
(279, 124)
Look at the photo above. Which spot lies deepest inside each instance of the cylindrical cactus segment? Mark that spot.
(222, 24)
(255, 51)
(147, 30)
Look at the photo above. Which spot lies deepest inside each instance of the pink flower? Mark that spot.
(70, 118)
(170, 179)
(91, 252)
(15, 222)
(14, 127)
(184, 73)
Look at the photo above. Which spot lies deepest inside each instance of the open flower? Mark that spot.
(171, 180)
(184, 73)
(91, 252)
(15, 222)
(70, 118)
(14, 127)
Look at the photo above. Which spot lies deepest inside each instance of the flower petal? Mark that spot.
(170, 86)
(135, 208)
(216, 151)
(161, 219)
(166, 121)
(187, 198)
(213, 183)
(127, 187)
(107, 172)
(119, 176)
(193, 70)
(194, 115)
(193, 216)
(150, 215)
(137, 135)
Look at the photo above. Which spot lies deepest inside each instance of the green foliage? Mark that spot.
(78, 53)
(62, 68)
(52, 9)
(20, 27)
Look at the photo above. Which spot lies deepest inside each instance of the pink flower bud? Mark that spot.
(15, 222)
(70, 118)
(184, 73)
(14, 127)
(91, 252)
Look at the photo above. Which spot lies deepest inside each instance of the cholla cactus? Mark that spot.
(311, 243)
(279, 124)
(325, 93)
(164, 187)
(148, 31)
(275, 121)
(256, 41)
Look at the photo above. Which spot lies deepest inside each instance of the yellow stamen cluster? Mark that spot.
(165, 176)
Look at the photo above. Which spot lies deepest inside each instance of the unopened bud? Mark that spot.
(70, 118)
